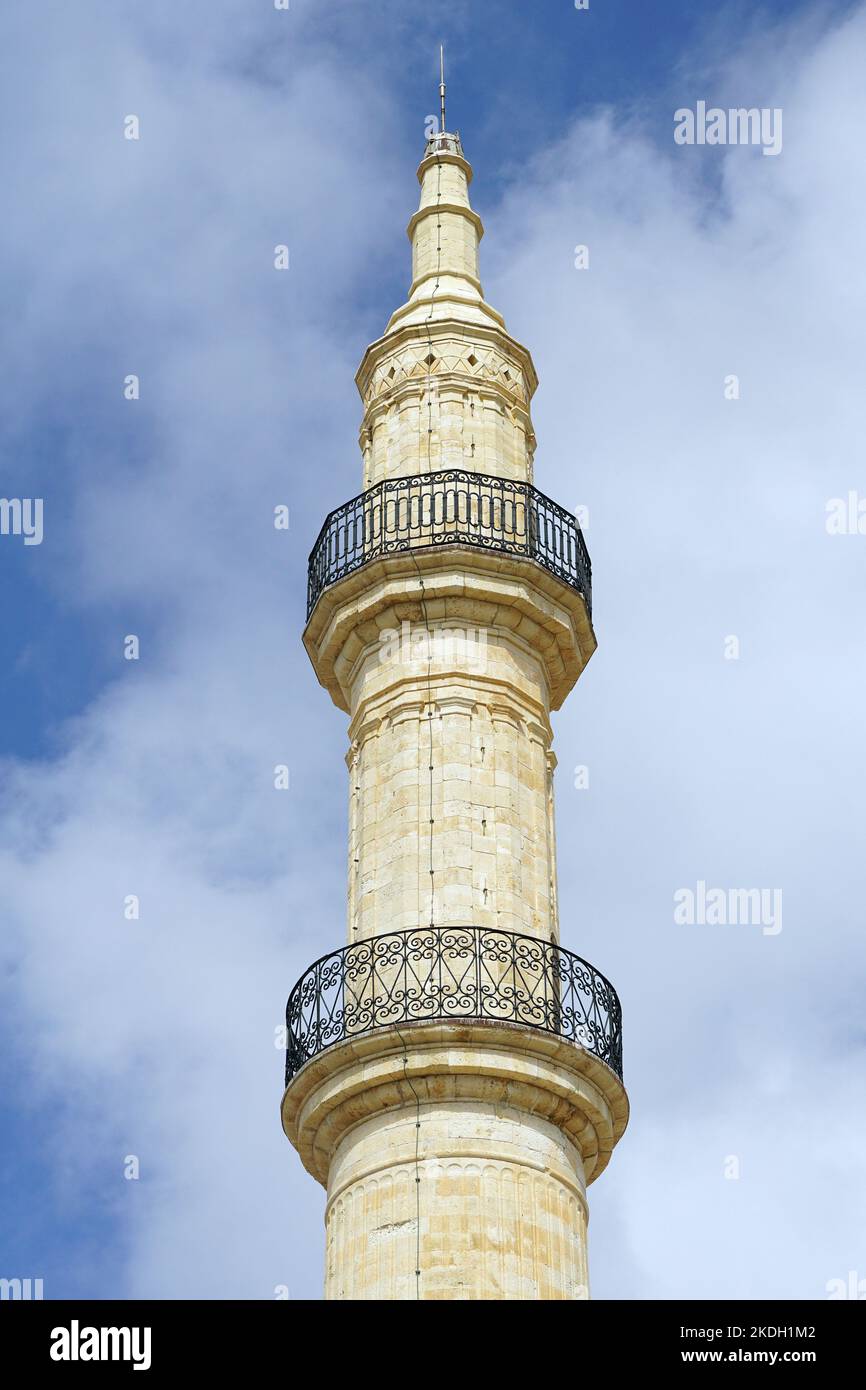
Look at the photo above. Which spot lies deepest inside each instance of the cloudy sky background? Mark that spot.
(706, 519)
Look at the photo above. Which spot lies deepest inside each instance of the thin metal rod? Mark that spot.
(442, 126)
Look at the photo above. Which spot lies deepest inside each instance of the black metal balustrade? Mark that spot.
(450, 507)
(452, 973)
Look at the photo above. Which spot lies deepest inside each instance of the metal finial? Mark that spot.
(442, 125)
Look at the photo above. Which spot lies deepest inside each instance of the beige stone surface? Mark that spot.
(460, 1150)
(467, 588)
(447, 386)
(500, 1208)
(514, 1123)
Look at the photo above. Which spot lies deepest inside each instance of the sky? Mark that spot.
(738, 764)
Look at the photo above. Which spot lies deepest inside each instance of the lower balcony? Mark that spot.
(460, 974)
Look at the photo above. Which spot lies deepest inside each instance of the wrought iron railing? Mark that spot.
(456, 973)
(450, 507)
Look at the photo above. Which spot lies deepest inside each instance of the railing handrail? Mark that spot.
(564, 554)
(396, 978)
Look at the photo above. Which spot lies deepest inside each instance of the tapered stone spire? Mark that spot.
(446, 386)
(453, 1073)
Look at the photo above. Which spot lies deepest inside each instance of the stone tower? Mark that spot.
(453, 1074)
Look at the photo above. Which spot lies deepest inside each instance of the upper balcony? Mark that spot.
(450, 507)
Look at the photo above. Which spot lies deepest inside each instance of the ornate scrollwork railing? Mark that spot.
(450, 507)
(456, 973)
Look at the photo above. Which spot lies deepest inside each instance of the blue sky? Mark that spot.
(513, 83)
(706, 519)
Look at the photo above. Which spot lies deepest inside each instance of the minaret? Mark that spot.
(453, 1073)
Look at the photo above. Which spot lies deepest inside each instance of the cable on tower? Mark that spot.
(411, 1085)
(428, 630)
(429, 383)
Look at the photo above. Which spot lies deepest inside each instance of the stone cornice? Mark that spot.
(445, 157)
(497, 1063)
(412, 693)
(508, 592)
(458, 330)
(434, 209)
